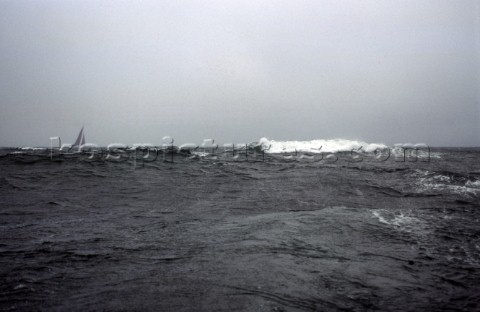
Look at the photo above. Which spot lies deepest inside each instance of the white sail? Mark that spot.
(79, 139)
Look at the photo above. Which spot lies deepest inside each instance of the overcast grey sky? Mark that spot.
(134, 71)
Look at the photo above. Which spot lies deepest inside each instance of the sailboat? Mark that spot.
(80, 140)
(78, 143)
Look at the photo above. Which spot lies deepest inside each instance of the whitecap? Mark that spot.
(318, 146)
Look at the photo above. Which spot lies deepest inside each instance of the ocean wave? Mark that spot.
(474, 184)
(445, 181)
(413, 151)
(318, 146)
(400, 221)
(28, 148)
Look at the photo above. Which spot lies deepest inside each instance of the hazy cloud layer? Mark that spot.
(134, 71)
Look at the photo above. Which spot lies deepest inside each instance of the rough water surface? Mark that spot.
(234, 234)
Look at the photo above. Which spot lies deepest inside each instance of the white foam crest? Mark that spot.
(380, 218)
(442, 183)
(188, 147)
(458, 189)
(318, 146)
(200, 154)
(474, 184)
(116, 146)
(400, 221)
(65, 146)
(412, 151)
(28, 148)
(89, 146)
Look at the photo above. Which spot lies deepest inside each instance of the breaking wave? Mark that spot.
(445, 181)
(318, 146)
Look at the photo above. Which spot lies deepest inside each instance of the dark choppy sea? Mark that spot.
(80, 234)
